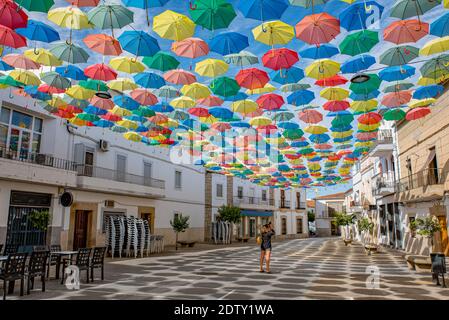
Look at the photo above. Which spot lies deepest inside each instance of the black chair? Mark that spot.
(41, 248)
(54, 260)
(97, 261)
(36, 268)
(82, 261)
(25, 249)
(10, 248)
(14, 270)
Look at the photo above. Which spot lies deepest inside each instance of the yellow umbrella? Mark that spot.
(315, 129)
(42, 56)
(435, 46)
(77, 121)
(128, 124)
(274, 32)
(369, 127)
(423, 81)
(266, 89)
(211, 67)
(275, 140)
(314, 166)
(244, 106)
(69, 17)
(174, 26)
(364, 106)
(122, 84)
(26, 77)
(209, 119)
(183, 102)
(363, 144)
(132, 136)
(80, 93)
(57, 102)
(334, 93)
(260, 121)
(195, 90)
(171, 123)
(296, 161)
(127, 64)
(323, 68)
(421, 103)
(120, 111)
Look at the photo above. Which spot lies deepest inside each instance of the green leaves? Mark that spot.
(229, 213)
(39, 219)
(343, 219)
(427, 226)
(364, 224)
(180, 223)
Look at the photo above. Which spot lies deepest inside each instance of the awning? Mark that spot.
(256, 213)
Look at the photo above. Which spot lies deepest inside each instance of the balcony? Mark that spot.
(355, 206)
(383, 186)
(300, 206)
(93, 178)
(383, 146)
(425, 185)
(253, 202)
(37, 167)
(285, 204)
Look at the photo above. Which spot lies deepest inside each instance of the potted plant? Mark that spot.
(39, 219)
(179, 224)
(427, 227)
(231, 214)
(413, 226)
(365, 225)
(345, 220)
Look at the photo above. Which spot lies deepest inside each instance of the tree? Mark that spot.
(427, 227)
(365, 224)
(229, 213)
(310, 216)
(179, 224)
(344, 220)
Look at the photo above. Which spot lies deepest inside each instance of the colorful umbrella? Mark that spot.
(180, 76)
(20, 61)
(11, 16)
(359, 42)
(211, 67)
(139, 43)
(212, 14)
(435, 46)
(417, 113)
(318, 28)
(37, 6)
(404, 9)
(69, 52)
(100, 71)
(274, 32)
(355, 16)
(9, 38)
(112, 16)
(228, 42)
(323, 68)
(174, 26)
(252, 78)
(263, 10)
(277, 59)
(405, 31)
(394, 115)
(103, 44)
(38, 31)
(190, 48)
(224, 86)
(322, 51)
(398, 56)
(161, 61)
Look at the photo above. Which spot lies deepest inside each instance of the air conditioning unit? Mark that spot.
(103, 145)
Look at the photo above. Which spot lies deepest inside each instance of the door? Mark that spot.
(282, 198)
(149, 216)
(80, 232)
(443, 234)
(252, 227)
(121, 167)
(89, 163)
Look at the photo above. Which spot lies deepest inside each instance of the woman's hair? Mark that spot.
(263, 229)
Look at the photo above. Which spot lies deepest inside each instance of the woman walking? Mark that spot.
(265, 247)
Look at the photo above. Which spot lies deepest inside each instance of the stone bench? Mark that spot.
(420, 263)
(187, 243)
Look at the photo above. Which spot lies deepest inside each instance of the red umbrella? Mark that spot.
(111, 117)
(253, 114)
(417, 113)
(210, 101)
(323, 146)
(20, 61)
(45, 88)
(100, 71)
(405, 31)
(397, 99)
(318, 28)
(179, 76)
(221, 126)
(144, 97)
(84, 3)
(101, 103)
(104, 44)
(336, 105)
(370, 118)
(282, 58)
(64, 114)
(311, 116)
(269, 129)
(9, 38)
(11, 15)
(270, 101)
(199, 112)
(72, 109)
(366, 135)
(331, 81)
(252, 78)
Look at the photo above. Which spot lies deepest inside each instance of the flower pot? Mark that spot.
(347, 241)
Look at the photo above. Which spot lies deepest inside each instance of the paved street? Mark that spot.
(320, 268)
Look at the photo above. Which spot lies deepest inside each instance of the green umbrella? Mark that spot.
(283, 116)
(88, 117)
(342, 120)
(54, 79)
(48, 107)
(304, 151)
(366, 87)
(168, 92)
(359, 42)
(436, 67)
(161, 61)
(394, 115)
(292, 87)
(405, 9)
(179, 115)
(307, 3)
(293, 134)
(35, 5)
(144, 112)
(399, 87)
(152, 126)
(243, 58)
(95, 85)
(119, 129)
(212, 14)
(398, 56)
(9, 81)
(75, 102)
(69, 52)
(112, 16)
(224, 86)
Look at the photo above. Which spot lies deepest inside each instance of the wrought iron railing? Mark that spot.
(383, 183)
(300, 205)
(424, 178)
(38, 158)
(285, 204)
(253, 200)
(110, 174)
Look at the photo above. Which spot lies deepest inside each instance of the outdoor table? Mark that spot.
(61, 254)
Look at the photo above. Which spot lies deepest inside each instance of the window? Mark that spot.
(284, 226)
(298, 200)
(219, 190)
(147, 172)
(240, 192)
(264, 195)
(298, 225)
(178, 179)
(433, 167)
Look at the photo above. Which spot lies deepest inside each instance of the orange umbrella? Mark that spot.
(318, 28)
(190, 48)
(210, 101)
(144, 97)
(83, 3)
(179, 76)
(405, 31)
(20, 61)
(104, 44)
(101, 103)
(158, 119)
(331, 81)
(310, 116)
(397, 99)
(370, 118)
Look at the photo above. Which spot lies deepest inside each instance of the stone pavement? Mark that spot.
(316, 268)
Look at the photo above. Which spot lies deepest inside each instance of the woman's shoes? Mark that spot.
(268, 271)
(261, 271)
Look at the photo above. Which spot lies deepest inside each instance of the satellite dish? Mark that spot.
(66, 199)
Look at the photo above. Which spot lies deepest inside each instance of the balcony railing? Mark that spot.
(38, 158)
(420, 179)
(383, 183)
(300, 205)
(110, 174)
(253, 200)
(385, 136)
(285, 204)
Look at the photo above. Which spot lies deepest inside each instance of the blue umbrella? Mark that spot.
(149, 80)
(71, 71)
(288, 125)
(134, 117)
(343, 140)
(221, 113)
(141, 128)
(5, 67)
(428, 92)
(162, 107)
(299, 144)
(355, 16)
(397, 73)
(239, 96)
(339, 113)
(364, 96)
(358, 63)
(440, 27)
(144, 4)
(262, 9)
(126, 102)
(301, 97)
(94, 110)
(291, 75)
(240, 124)
(228, 42)
(36, 94)
(102, 123)
(139, 43)
(340, 129)
(319, 52)
(319, 138)
(39, 31)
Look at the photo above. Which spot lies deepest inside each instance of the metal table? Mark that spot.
(61, 254)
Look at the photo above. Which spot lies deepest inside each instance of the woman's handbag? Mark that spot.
(259, 240)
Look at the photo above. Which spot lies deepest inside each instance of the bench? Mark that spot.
(420, 263)
(187, 243)
(243, 239)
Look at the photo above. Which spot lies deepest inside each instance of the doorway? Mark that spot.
(81, 228)
(252, 227)
(443, 235)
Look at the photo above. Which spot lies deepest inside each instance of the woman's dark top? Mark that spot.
(266, 240)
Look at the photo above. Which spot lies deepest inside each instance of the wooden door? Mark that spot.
(443, 235)
(149, 216)
(80, 232)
